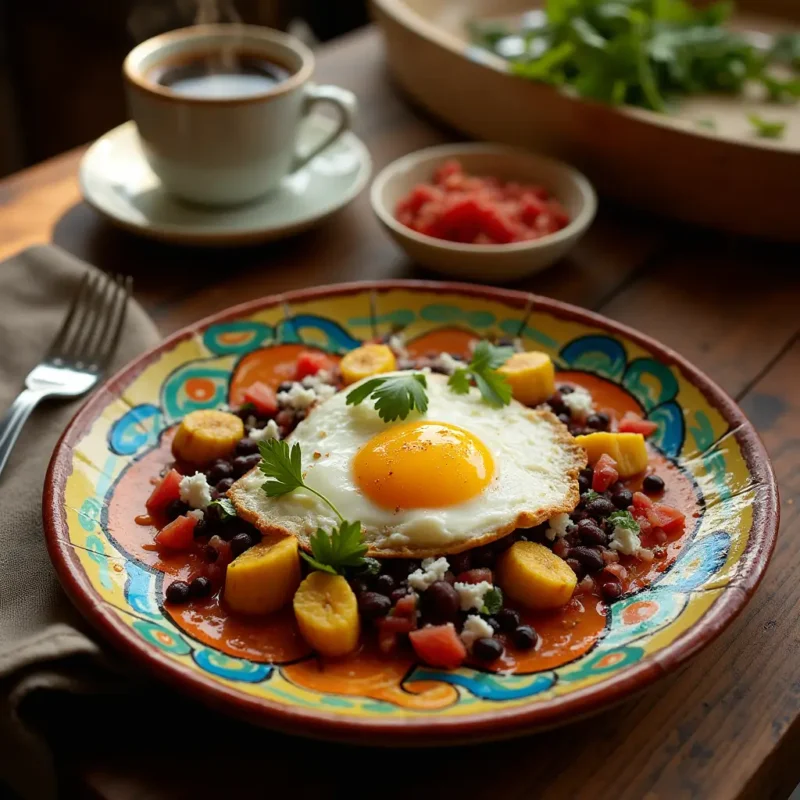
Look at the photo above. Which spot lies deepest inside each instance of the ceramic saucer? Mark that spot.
(116, 180)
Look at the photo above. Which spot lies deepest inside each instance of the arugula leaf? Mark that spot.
(285, 468)
(223, 508)
(482, 370)
(767, 129)
(492, 601)
(624, 519)
(343, 547)
(395, 397)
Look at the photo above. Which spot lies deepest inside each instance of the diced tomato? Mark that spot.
(406, 606)
(166, 491)
(262, 397)
(669, 519)
(310, 362)
(439, 646)
(558, 214)
(476, 576)
(387, 641)
(179, 534)
(605, 473)
(530, 208)
(447, 169)
(633, 423)
(641, 502)
(223, 548)
(397, 624)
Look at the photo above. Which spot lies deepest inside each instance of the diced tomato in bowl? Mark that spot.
(472, 209)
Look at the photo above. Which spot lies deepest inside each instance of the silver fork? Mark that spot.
(79, 354)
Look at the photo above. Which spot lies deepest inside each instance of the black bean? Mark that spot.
(240, 543)
(565, 418)
(584, 484)
(373, 605)
(501, 545)
(600, 507)
(399, 568)
(591, 560)
(588, 473)
(178, 592)
(359, 586)
(611, 590)
(493, 624)
(487, 649)
(591, 533)
(566, 389)
(285, 386)
(200, 586)
(622, 498)
(202, 529)
(598, 422)
(556, 403)
(245, 447)
(384, 584)
(652, 484)
(508, 619)
(440, 603)
(482, 557)
(577, 516)
(398, 594)
(210, 554)
(219, 470)
(525, 637)
(224, 485)
(460, 562)
(175, 509)
(242, 464)
(575, 566)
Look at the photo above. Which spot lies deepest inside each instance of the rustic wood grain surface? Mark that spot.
(725, 726)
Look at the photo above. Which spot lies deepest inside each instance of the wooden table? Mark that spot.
(728, 725)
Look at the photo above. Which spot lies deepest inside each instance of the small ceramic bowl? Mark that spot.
(491, 263)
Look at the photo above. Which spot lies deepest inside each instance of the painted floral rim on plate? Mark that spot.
(701, 431)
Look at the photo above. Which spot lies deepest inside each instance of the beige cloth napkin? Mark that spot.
(44, 644)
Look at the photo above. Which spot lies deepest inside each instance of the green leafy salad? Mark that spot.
(645, 53)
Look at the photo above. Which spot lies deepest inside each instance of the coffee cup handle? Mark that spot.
(346, 106)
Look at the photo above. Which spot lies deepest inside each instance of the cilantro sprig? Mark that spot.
(624, 519)
(765, 128)
(332, 552)
(482, 370)
(492, 601)
(395, 396)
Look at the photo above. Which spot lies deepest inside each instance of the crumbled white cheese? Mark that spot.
(579, 403)
(471, 594)
(195, 491)
(557, 526)
(269, 431)
(197, 514)
(398, 346)
(321, 384)
(298, 397)
(447, 363)
(432, 570)
(475, 628)
(626, 541)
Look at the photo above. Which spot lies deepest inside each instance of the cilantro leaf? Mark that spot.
(223, 508)
(282, 465)
(589, 495)
(395, 396)
(482, 370)
(767, 129)
(624, 519)
(492, 601)
(343, 547)
(285, 468)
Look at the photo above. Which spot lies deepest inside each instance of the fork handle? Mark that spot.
(15, 418)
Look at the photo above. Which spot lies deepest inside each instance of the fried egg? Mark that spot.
(459, 476)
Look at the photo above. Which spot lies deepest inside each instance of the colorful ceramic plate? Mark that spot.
(99, 477)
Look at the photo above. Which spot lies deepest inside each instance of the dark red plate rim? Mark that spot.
(421, 729)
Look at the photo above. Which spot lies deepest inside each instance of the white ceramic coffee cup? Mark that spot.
(225, 151)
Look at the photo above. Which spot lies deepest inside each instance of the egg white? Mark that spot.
(535, 475)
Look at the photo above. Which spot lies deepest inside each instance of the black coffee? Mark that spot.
(215, 77)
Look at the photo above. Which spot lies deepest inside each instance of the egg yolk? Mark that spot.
(423, 465)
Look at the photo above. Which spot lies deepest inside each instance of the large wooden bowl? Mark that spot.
(727, 179)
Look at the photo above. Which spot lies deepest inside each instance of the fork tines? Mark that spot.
(91, 329)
